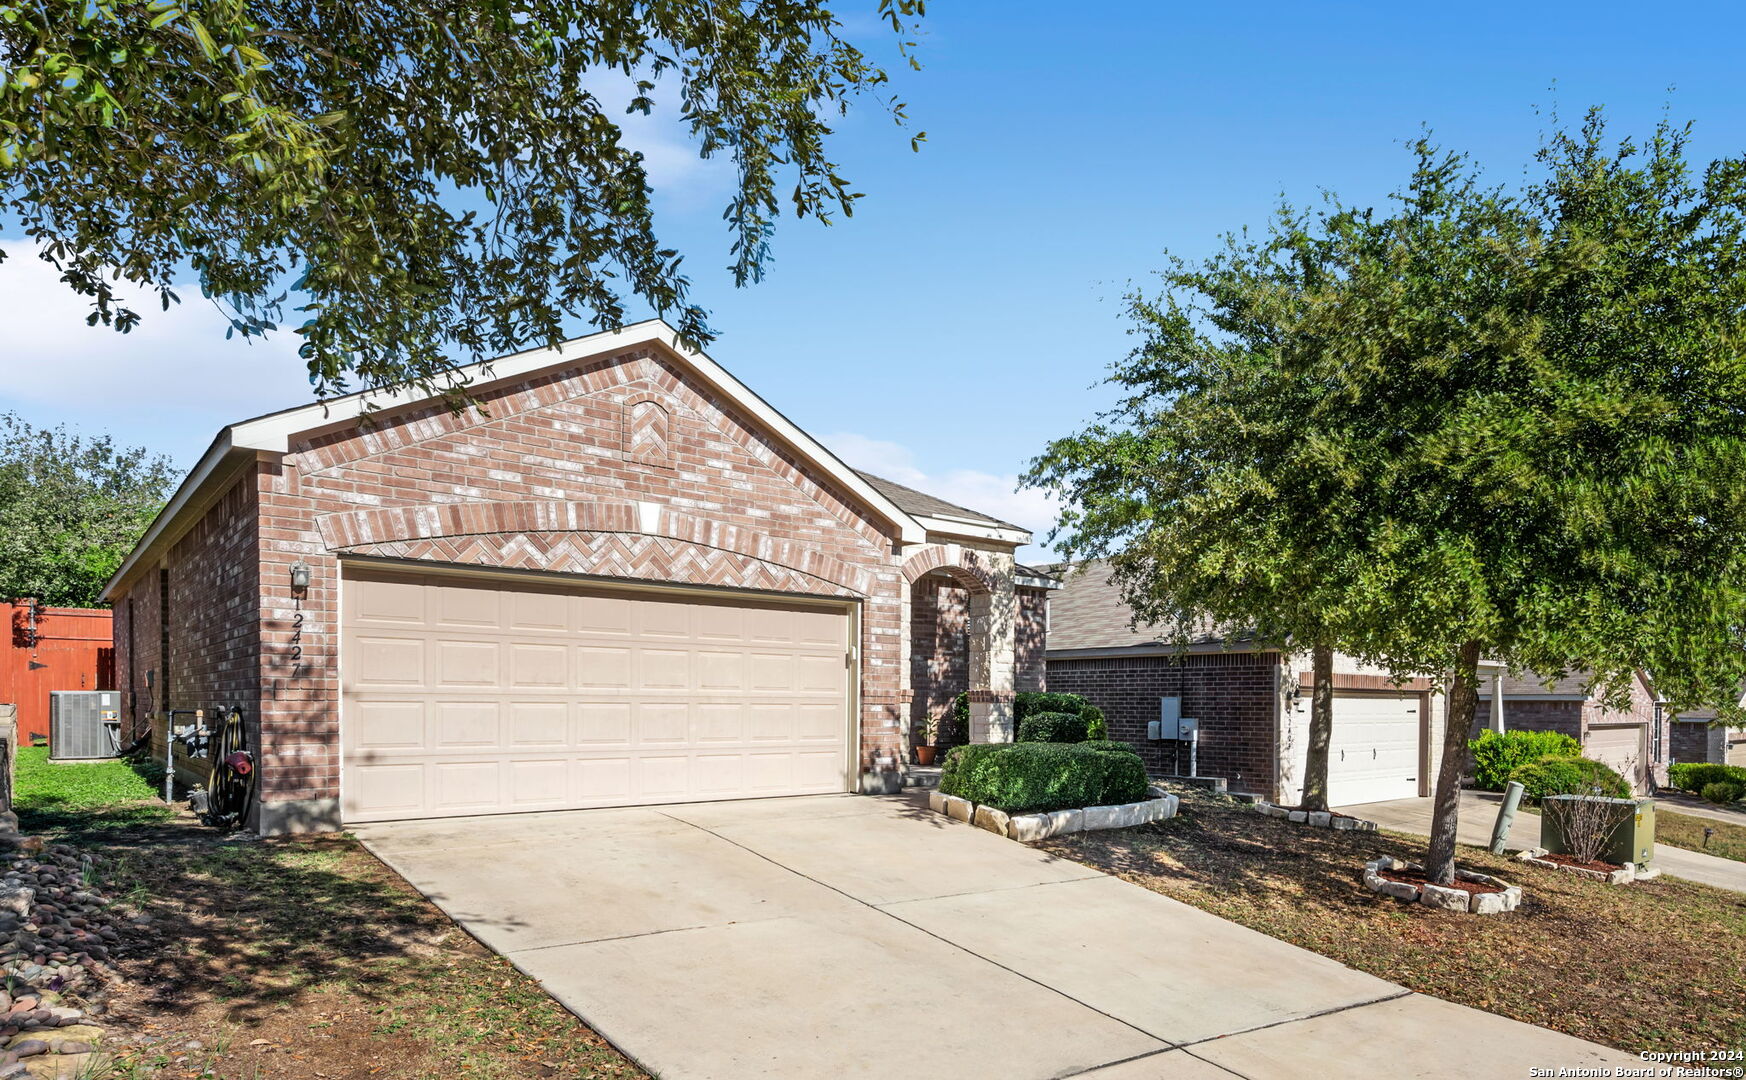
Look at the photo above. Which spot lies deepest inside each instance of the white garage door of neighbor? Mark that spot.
(481, 696)
(1619, 746)
(1374, 753)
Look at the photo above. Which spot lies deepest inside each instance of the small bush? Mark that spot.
(1569, 776)
(1026, 702)
(1723, 792)
(1035, 777)
(1096, 728)
(1496, 754)
(1064, 727)
(1694, 776)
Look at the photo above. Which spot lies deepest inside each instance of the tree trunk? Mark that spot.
(1445, 812)
(1321, 732)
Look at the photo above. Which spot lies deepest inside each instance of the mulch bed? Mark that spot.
(1596, 865)
(1413, 877)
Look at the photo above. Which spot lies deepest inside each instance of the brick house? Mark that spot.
(1251, 702)
(621, 578)
(1635, 741)
(1695, 740)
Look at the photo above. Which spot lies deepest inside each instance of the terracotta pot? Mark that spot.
(924, 755)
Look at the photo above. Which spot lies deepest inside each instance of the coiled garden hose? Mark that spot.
(232, 782)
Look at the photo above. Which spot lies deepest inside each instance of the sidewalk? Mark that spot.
(1479, 813)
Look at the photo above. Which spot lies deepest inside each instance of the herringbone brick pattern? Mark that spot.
(644, 558)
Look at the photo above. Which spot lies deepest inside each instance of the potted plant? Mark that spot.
(927, 737)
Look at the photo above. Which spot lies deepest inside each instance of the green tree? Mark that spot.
(435, 182)
(71, 508)
(1523, 412)
(1204, 488)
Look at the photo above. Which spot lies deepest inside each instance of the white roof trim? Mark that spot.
(273, 432)
(976, 531)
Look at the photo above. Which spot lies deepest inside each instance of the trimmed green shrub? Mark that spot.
(1027, 702)
(1112, 745)
(1096, 728)
(1062, 727)
(1034, 777)
(1569, 776)
(1694, 776)
(1723, 792)
(1496, 754)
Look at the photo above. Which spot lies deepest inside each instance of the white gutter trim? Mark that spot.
(954, 527)
(1159, 648)
(272, 433)
(195, 480)
(1033, 581)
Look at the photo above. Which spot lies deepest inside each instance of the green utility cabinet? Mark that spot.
(1633, 842)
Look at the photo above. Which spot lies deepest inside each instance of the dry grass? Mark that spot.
(1687, 831)
(293, 959)
(1650, 966)
(308, 958)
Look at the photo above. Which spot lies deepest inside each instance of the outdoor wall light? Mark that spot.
(300, 575)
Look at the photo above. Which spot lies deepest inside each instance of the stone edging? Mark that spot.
(1438, 896)
(1321, 819)
(1623, 876)
(1029, 828)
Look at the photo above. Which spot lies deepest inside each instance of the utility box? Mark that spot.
(84, 724)
(1169, 719)
(1632, 842)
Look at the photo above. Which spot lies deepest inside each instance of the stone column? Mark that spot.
(993, 621)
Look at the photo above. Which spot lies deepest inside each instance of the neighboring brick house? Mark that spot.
(1251, 703)
(1696, 739)
(622, 578)
(1635, 741)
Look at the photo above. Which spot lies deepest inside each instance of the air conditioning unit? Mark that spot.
(84, 724)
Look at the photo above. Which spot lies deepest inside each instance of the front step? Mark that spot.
(925, 777)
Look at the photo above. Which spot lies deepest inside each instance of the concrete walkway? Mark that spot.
(1479, 813)
(842, 936)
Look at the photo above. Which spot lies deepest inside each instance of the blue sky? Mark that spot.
(961, 318)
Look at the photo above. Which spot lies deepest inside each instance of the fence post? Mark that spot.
(9, 736)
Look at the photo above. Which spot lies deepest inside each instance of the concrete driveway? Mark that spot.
(844, 936)
(1479, 813)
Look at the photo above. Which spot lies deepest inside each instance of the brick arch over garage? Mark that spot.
(376, 527)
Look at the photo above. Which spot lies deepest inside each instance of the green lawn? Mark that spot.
(1687, 831)
(85, 796)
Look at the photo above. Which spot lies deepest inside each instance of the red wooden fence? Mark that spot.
(51, 648)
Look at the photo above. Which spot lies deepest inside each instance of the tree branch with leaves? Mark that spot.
(433, 183)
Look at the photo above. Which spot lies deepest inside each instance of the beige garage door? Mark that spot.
(1620, 746)
(480, 696)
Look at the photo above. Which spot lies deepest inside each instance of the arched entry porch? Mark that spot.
(960, 627)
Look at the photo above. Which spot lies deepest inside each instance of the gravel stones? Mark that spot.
(55, 936)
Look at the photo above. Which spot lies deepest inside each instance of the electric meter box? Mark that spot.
(1632, 842)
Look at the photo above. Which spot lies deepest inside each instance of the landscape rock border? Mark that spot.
(1438, 896)
(1321, 819)
(1030, 828)
(1626, 874)
(56, 937)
